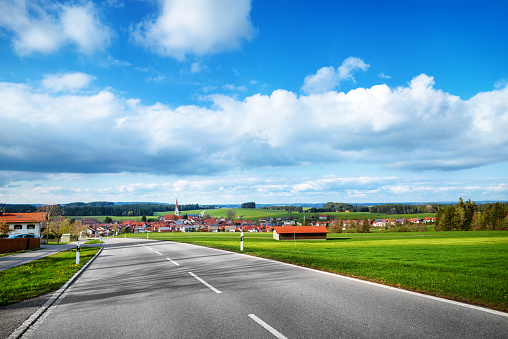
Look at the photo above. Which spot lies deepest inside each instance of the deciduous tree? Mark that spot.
(230, 214)
(4, 229)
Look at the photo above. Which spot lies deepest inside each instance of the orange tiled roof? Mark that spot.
(23, 217)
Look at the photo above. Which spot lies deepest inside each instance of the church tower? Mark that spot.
(177, 212)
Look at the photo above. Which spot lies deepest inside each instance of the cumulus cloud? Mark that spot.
(328, 78)
(44, 27)
(70, 82)
(197, 27)
(414, 127)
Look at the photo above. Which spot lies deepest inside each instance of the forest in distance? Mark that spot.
(105, 208)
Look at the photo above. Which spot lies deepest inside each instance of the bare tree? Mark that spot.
(230, 214)
(114, 228)
(78, 227)
(52, 211)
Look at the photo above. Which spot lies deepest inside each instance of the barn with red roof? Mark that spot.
(300, 233)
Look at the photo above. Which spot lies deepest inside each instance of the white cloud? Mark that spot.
(231, 87)
(384, 76)
(43, 27)
(501, 83)
(414, 127)
(196, 27)
(70, 82)
(196, 67)
(327, 78)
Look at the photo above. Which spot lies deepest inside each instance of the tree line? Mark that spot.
(250, 204)
(338, 207)
(403, 209)
(298, 209)
(104, 208)
(466, 216)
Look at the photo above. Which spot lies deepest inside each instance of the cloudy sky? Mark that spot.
(272, 101)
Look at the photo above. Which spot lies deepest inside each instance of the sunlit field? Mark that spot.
(41, 276)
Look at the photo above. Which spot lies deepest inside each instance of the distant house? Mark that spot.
(189, 228)
(300, 233)
(171, 217)
(24, 223)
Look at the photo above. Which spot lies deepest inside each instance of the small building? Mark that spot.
(300, 233)
(24, 223)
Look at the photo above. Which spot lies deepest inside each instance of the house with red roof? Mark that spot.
(24, 223)
(171, 217)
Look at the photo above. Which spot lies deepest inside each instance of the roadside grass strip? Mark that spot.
(267, 327)
(463, 266)
(41, 276)
(205, 283)
(94, 241)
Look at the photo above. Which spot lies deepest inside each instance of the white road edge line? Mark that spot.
(267, 327)
(174, 262)
(205, 283)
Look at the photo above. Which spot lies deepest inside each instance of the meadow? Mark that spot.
(464, 266)
(257, 213)
(41, 276)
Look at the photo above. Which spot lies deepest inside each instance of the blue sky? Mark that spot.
(228, 101)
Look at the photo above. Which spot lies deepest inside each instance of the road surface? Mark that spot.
(140, 288)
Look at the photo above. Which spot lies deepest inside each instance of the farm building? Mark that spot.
(300, 233)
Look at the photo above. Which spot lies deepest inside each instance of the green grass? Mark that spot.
(257, 213)
(95, 241)
(54, 242)
(41, 276)
(464, 266)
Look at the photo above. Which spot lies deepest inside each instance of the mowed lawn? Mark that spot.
(41, 276)
(464, 266)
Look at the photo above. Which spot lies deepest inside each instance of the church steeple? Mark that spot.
(177, 212)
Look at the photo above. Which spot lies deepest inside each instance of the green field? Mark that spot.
(41, 276)
(257, 213)
(464, 266)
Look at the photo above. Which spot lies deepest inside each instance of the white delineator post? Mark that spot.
(241, 241)
(77, 253)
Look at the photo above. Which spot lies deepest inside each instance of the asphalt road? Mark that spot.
(154, 289)
(19, 259)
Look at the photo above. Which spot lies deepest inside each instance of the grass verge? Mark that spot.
(41, 276)
(95, 241)
(463, 266)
